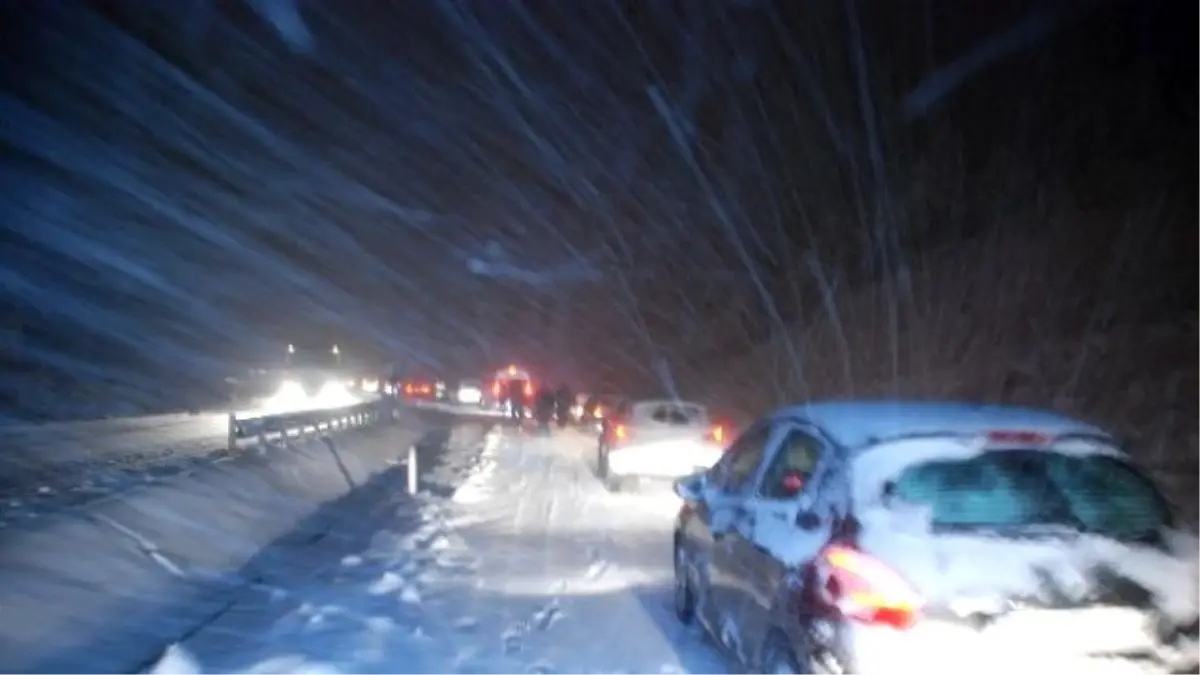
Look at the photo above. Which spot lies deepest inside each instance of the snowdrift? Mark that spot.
(106, 587)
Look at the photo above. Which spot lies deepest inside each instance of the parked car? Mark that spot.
(418, 390)
(884, 536)
(656, 440)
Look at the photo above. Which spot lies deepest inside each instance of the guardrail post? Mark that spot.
(412, 470)
(231, 440)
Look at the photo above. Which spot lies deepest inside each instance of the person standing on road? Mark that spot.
(515, 390)
(543, 409)
(563, 400)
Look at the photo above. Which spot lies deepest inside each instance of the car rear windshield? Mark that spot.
(1015, 489)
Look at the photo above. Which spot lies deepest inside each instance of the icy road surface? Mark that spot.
(528, 567)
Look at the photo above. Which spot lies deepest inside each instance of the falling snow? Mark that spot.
(738, 203)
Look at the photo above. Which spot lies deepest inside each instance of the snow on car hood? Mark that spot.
(947, 568)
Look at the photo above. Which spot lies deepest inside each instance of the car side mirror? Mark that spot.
(691, 488)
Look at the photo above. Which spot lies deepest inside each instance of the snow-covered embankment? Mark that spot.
(103, 588)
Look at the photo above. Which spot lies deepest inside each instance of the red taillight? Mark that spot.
(496, 389)
(408, 388)
(864, 589)
(1018, 438)
(529, 389)
(716, 434)
(620, 433)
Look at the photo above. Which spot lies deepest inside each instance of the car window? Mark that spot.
(674, 415)
(1014, 489)
(738, 467)
(798, 455)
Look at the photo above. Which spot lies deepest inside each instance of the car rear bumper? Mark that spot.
(661, 464)
(664, 477)
(949, 647)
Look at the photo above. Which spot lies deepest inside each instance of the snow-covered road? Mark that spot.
(528, 566)
(49, 467)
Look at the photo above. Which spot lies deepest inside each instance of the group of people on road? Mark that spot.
(547, 404)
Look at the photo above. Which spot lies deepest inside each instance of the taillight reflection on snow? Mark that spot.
(866, 590)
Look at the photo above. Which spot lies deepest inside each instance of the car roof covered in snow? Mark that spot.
(856, 424)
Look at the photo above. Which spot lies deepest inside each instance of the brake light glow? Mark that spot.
(529, 389)
(716, 434)
(864, 589)
(1018, 438)
(496, 389)
(620, 432)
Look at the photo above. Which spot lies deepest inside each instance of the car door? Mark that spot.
(734, 479)
(786, 526)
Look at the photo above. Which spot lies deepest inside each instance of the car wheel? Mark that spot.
(685, 597)
(778, 658)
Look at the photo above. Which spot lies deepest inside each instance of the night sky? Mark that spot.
(622, 194)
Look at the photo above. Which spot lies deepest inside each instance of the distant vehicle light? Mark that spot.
(290, 394)
(333, 394)
(716, 434)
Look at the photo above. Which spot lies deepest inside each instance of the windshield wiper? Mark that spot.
(1048, 529)
(1033, 529)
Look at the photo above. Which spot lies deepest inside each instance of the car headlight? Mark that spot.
(290, 389)
(289, 394)
(333, 390)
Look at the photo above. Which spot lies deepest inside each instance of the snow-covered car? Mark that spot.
(886, 537)
(656, 441)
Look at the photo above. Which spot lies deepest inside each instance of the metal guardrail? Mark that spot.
(302, 422)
